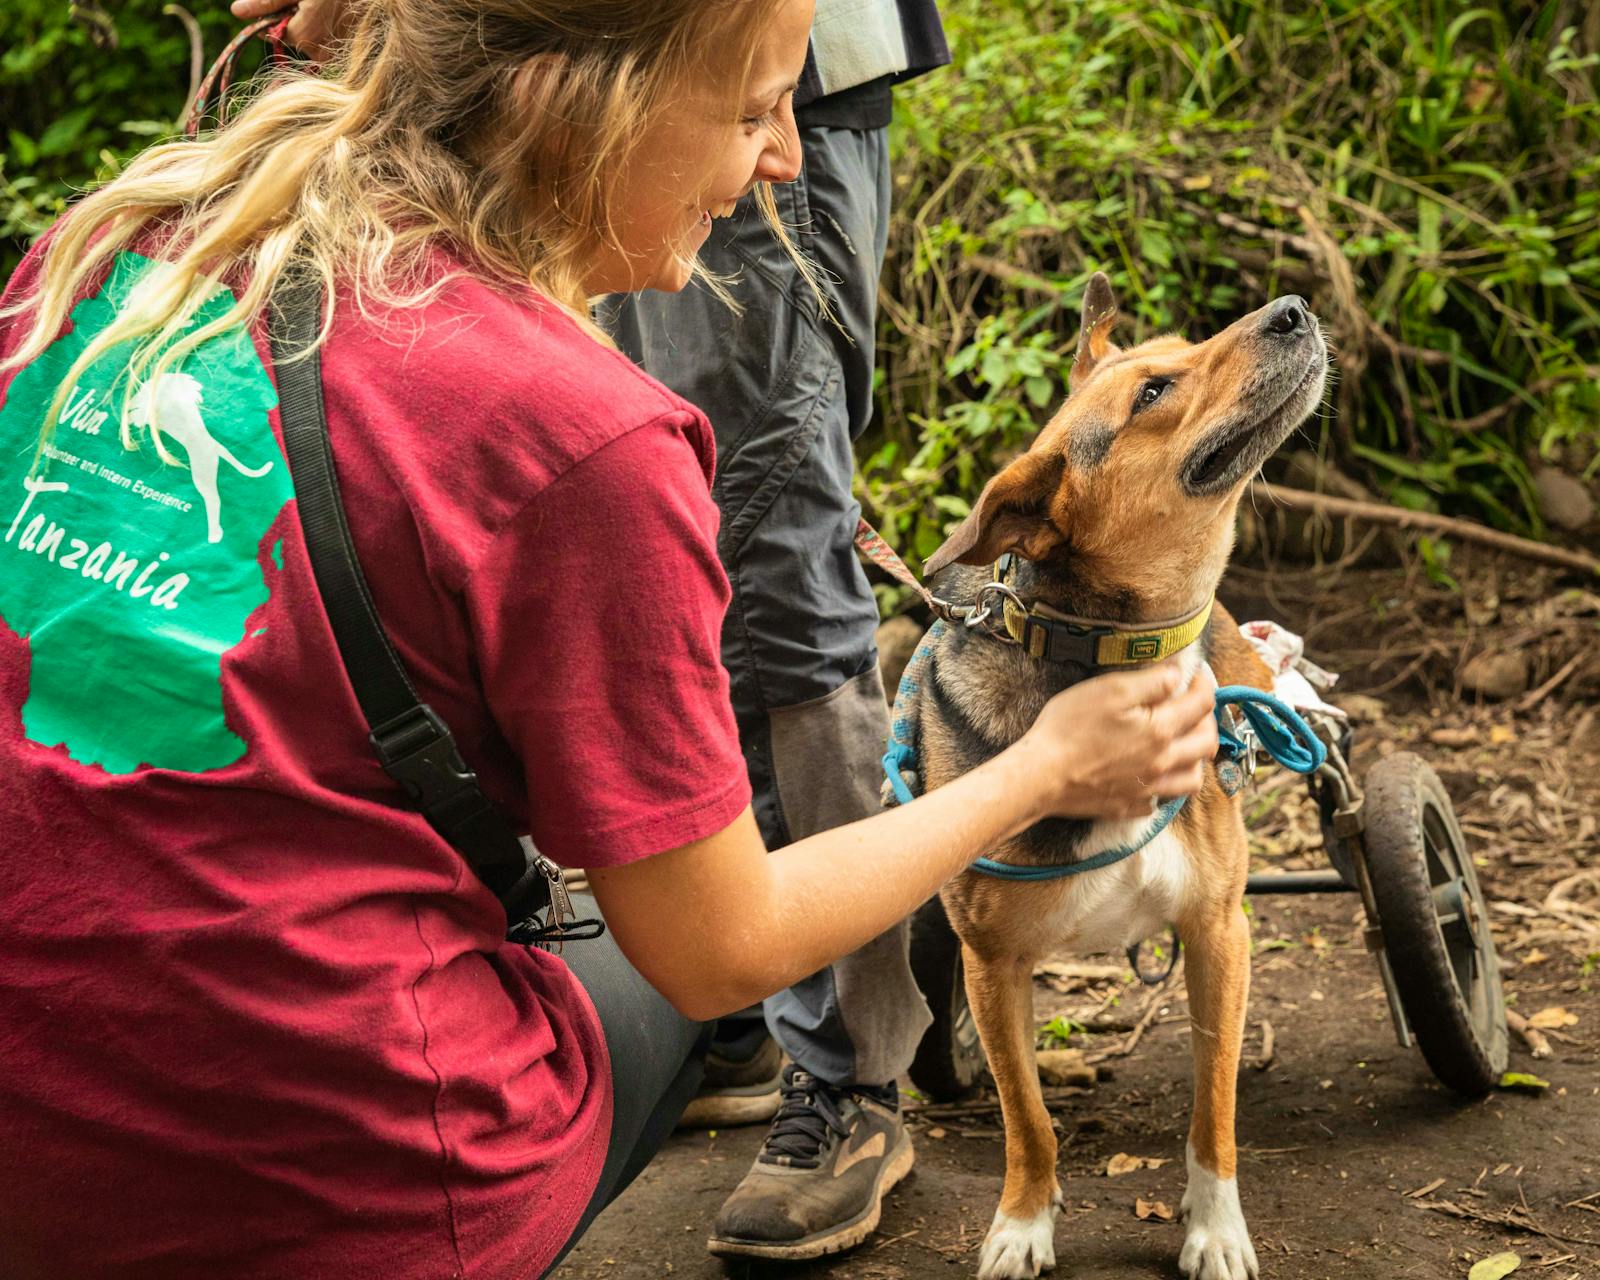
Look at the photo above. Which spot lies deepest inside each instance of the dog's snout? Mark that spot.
(1288, 317)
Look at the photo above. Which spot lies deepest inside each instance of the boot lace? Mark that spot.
(808, 1113)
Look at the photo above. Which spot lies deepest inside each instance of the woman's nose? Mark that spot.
(780, 159)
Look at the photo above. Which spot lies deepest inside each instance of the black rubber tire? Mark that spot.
(949, 1063)
(1449, 984)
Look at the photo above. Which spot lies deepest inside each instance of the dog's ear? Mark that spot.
(1094, 331)
(1012, 514)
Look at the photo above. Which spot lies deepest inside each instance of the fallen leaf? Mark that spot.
(1500, 734)
(1198, 182)
(1535, 956)
(1122, 1163)
(1145, 1209)
(1496, 1267)
(1553, 1018)
(1453, 737)
(1522, 1080)
(936, 1133)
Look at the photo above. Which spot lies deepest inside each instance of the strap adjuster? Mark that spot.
(418, 751)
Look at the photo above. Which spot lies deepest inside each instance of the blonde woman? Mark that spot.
(258, 1019)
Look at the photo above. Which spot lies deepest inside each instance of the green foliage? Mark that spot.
(1058, 1031)
(1428, 174)
(81, 90)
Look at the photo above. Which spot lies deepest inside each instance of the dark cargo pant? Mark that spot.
(787, 392)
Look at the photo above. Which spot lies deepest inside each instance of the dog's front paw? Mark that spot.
(1020, 1248)
(1218, 1244)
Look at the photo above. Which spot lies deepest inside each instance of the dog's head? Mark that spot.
(1136, 477)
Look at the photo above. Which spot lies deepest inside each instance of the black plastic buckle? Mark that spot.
(419, 752)
(1061, 641)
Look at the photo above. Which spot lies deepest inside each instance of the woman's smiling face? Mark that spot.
(697, 159)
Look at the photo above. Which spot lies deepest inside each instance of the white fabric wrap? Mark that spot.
(1296, 680)
(855, 41)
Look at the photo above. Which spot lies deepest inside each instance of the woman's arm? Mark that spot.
(720, 923)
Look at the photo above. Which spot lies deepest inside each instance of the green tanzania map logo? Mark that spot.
(130, 577)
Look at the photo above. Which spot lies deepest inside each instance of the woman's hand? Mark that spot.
(316, 26)
(1113, 745)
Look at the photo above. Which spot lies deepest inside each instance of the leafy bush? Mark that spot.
(1428, 174)
(81, 89)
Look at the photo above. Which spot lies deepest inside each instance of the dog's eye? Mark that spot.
(1150, 393)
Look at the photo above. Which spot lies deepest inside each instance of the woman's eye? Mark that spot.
(766, 117)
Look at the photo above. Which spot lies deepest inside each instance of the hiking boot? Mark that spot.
(818, 1185)
(740, 1085)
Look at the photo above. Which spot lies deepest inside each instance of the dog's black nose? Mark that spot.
(1288, 317)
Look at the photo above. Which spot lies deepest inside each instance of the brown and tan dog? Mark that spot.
(1122, 511)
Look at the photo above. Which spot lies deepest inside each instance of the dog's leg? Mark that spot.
(1217, 1246)
(1021, 1240)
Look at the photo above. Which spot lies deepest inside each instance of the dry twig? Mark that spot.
(1530, 1035)
(1467, 530)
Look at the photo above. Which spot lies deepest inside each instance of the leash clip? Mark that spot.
(983, 607)
(1252, 744)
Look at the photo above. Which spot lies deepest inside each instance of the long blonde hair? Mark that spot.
(499, 129)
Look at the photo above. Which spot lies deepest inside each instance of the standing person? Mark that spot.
(258, 1019)
(787, 381)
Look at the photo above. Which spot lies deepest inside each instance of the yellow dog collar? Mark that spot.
(1050, 636)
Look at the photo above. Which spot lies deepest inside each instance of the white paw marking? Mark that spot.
(1020, 1248)
(1218, 1244)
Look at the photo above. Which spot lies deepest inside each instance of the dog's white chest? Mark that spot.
(1117, 906)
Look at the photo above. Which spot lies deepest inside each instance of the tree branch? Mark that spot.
(1466, 530)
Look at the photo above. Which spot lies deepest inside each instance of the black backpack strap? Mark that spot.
(412, 743)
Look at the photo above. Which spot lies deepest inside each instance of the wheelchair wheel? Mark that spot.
(1435, 928)
(949, 1062)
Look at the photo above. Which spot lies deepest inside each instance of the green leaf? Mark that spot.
(64, 131)
(1495, 1267)
(23, 147)
(1522, 1080)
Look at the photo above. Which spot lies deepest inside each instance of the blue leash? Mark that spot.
(1281, 730)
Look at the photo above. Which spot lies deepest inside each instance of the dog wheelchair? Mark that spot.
(1394, 839)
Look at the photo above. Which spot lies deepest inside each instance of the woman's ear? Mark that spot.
(1094, 331)
(535, 107)
(1015, 512)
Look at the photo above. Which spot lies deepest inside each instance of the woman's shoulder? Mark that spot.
(497, 357)
(472, 404)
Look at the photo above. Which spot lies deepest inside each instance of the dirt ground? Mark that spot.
(1354, 1162)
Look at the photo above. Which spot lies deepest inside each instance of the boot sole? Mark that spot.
(835, 1239)
(730, 1110)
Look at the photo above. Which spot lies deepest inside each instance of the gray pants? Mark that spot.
(787, 392)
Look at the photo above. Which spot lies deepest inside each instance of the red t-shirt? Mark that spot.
(256, 1019)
